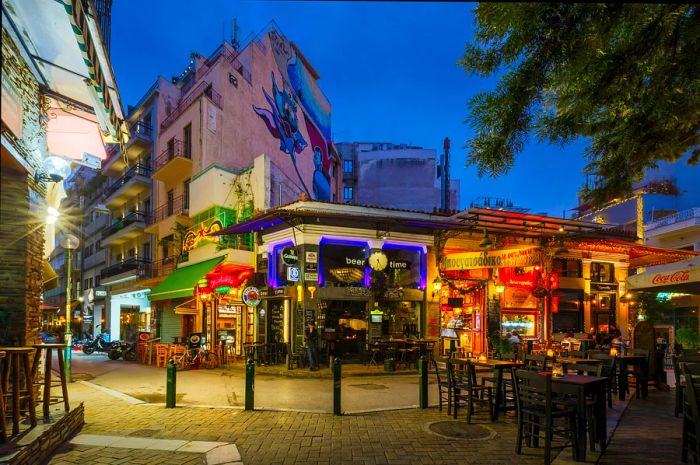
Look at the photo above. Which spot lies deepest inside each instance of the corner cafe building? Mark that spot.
(365, 273)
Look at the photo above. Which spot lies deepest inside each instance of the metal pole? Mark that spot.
(170, 385)
(250, 384)
(336, 387)
(68, 336)
(423, 371)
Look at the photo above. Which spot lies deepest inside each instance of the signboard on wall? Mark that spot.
(523, 257)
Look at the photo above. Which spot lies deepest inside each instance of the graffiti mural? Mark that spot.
(316, 111)
(281, 120)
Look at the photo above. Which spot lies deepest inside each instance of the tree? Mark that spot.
(624, 76)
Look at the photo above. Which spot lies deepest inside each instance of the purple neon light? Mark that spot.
(272, 278)
(423, 260)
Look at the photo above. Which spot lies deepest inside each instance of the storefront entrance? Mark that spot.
(345, 328)
(132, 320)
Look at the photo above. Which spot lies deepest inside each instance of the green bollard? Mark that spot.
(336, 387)
(250, 384)
(423, 371)
(170, 385)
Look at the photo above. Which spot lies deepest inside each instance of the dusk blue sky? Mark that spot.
(389, 69)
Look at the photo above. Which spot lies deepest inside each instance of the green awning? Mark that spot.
(180, 283)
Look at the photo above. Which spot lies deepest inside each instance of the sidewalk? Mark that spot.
(649, 433)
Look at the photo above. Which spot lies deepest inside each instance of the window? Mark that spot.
(132, 252)
(90, 282)
(171, 202)
(86, 284)
(347, 193)
(567, 267)
(97, 280)
(146, 251)
(186, 195)
(602, 272)
(347, 166)
(569, 315)
(171, 148)
(146, 160)
(187, 140)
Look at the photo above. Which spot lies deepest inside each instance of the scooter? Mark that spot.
(127, 350)
(99, 344)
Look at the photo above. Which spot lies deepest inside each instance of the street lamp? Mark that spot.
(69, 242)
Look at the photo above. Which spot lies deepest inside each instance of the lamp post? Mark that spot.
(69, 242)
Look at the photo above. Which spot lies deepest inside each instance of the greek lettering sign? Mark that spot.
(529, 256)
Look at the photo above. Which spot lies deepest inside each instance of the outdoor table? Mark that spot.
(498, 366)
(582, 386)
(640, 361)
(566, 361)
(422, 345)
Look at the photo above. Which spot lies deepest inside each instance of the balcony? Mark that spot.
(204, 88)
(129, 227)
(685, 222)
(95, 226)
(174, 162)
(135, 181)
(133, 268)
(163, 267)
(140, 137)
(177, 207)
(96, 259)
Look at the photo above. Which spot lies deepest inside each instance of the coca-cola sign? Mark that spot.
(675, 277)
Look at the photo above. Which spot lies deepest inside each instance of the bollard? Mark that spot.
(423, 371)
(249, 384)
(336, 387)
(170, 384)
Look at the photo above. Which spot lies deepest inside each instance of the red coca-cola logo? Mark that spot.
(677, 277)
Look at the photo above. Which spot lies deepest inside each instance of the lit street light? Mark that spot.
(69, 242)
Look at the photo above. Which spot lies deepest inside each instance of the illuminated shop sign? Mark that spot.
(524, 257)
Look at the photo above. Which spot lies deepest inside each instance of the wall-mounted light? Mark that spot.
(500, 289)
(437, 285)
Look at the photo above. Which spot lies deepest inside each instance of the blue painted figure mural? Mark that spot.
(281, 120)
(322, 185)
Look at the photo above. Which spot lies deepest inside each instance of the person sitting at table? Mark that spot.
(568, 341)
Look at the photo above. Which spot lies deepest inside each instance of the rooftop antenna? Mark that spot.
(235, 35)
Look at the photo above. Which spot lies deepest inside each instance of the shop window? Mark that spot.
(567, 267)
(602, 272)
(404, 267)
(342, 265)
(569, 314)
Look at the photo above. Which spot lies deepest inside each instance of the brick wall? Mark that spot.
(21, 229)
(42, 448)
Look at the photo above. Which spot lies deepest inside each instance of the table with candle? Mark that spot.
(497, 366)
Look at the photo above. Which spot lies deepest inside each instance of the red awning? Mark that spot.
(227, 275)
(639, 254)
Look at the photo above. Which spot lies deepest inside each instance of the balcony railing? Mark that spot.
(177, 149)
(163, 267)
(131, 218)
(141, 129)
(140, 266)
(203, 88)
(176, 206)
(135, 170)
(681, 216)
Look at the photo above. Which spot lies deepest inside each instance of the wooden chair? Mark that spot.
(609, 369)
(443, 382)
(691, 419)
(536, 362)
(17, 359)
(162, 352)
(465, 389)
(142, 352)
(537, 414)
(3, 430)
(177, 351)
(634, 375)
(677, 373)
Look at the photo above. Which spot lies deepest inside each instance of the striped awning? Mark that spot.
(99, 69)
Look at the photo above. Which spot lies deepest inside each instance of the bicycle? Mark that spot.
(194, 358)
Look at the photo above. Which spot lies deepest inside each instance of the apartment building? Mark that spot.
(244, 129)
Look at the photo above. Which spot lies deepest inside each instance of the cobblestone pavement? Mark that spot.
(280, 438)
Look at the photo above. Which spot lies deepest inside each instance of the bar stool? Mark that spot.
(48, 361)
(3, 431)
(15, 358)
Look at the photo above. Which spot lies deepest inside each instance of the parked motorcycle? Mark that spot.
(127, 350)
(99, 344)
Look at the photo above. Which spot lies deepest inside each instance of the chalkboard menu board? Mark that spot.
(299, 327)
(276, 316)
(309, 316)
